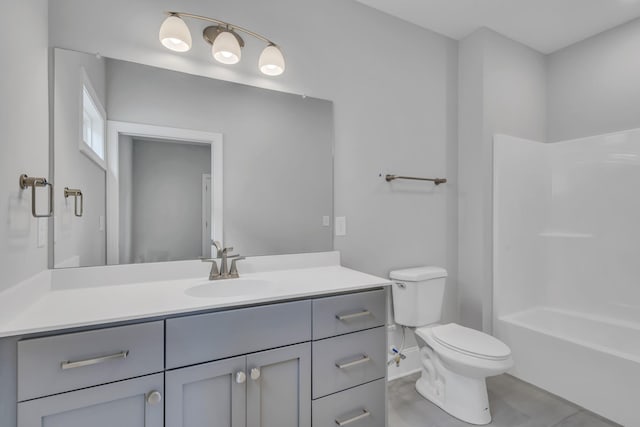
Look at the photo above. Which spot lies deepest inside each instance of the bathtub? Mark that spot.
(589, 360)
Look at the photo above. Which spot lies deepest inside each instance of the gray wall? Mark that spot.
(395, 115)
(77, 237)
(594, 85)
(502, 90)
(24, 132)
(277, 152)
(472, 160)
(167, 200)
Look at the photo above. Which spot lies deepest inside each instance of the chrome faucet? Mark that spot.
(225, 272)
(223, 255)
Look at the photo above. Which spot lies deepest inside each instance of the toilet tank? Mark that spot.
(417, 295)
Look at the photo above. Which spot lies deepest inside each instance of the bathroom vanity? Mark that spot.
(305, 353)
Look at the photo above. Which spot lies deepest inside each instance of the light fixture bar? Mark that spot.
(227, 24)
(226, 43)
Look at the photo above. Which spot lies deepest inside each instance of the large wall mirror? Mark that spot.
(151, 165)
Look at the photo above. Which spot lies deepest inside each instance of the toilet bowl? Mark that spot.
(455, 363)
(455, 360)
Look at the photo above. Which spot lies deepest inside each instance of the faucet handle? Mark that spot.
(227, 250)
(233, 271)
(214, 267)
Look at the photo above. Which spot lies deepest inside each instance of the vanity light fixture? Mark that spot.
(226, 43)
(175, 35)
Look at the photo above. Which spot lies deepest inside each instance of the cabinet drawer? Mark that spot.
(362, 406)
(68, 362)
(348, 313)
(348, 360)
(208, 337)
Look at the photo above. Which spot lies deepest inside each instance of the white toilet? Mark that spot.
(455, 360)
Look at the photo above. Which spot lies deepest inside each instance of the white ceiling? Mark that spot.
(545, 25)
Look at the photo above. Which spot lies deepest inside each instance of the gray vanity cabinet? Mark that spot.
(245, 367)
(131, 403)
(267, 389)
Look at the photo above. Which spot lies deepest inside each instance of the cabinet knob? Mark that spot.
(241, 377)
(255, 374)
(154, 397)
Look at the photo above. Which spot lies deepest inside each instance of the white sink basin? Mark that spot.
(231, 288)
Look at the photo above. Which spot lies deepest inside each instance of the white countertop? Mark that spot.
(76, 306)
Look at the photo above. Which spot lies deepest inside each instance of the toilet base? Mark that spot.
(462, 397)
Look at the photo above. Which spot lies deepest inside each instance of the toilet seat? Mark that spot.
(470, 342)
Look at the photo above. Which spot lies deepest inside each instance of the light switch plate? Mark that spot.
(341, 226)
(325, 221)
(42, 232)
(101, 223)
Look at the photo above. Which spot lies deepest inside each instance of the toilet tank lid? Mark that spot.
(418, 274)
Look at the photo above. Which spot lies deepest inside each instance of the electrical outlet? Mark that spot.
(325, 221)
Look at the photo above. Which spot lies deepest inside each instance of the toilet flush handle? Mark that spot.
(401, 285)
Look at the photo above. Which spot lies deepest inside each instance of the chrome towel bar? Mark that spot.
(436, 181)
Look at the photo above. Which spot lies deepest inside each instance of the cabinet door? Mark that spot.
(208, 395)
(131, 403)
(279, 387)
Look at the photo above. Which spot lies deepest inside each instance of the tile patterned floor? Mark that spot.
(513, 404)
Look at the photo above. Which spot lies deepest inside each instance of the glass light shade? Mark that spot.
(175, 35)
(226, 48)
(271, 61)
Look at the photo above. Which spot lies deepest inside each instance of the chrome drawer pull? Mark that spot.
(362, 416)
(344, 317)
(80, 363)
(363, 359)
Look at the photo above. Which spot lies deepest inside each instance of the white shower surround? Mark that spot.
(567, 267)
